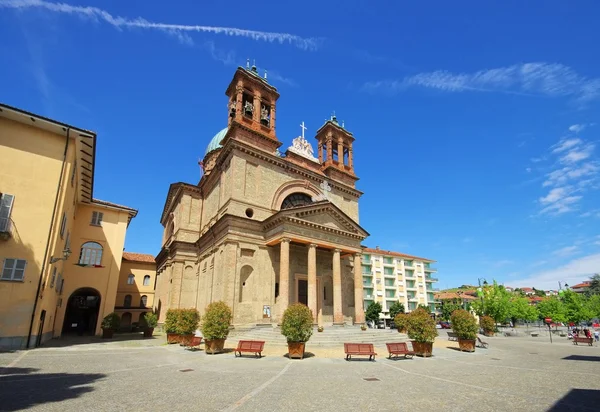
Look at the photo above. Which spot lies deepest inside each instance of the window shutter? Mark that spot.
(100, 216)
(94, 217)
(6, 204)
(63, 224)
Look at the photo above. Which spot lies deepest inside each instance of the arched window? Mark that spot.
(295, 200)
(147, 280)
(143, 301)
(246, 283)
(127, 301)
(91, 254)
(131, 279)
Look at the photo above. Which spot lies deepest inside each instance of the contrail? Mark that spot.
(97, 14)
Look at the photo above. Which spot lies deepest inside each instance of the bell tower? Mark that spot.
(252, 104)
(334, 144)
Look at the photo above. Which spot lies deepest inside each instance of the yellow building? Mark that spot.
(60, 249)
(390, 277)
(135, 293)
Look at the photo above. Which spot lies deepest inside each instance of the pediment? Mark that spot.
(325, 215)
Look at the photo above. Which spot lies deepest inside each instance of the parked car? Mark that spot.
(445, 325)
(381, 324)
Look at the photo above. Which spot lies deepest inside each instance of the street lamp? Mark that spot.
(66, 254)
(480, 290)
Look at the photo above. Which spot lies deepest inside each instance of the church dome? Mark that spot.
(215, 142)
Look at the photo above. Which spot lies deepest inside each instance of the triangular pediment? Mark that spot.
(323, 214)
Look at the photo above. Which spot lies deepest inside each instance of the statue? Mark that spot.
(302, 147)
(248, 107)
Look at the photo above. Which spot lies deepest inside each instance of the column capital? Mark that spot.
(312, 245)
(357, 254)
(337, 250)
(285, 240)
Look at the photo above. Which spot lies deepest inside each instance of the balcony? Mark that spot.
(432, 289)
(411, 286)
(388, 262)
(430, 279)
(409, 264)
(390, 287)
(367, 272)
(429, 269)
(413, 299)
(368, 285)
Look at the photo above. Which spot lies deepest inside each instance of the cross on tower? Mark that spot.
(303, 128)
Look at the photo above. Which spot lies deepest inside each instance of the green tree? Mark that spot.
(396, 308)
(425, 308)
(373, 312)
(519, 292)
(521, 309)
(594, 288)
(449, 306)
(552, 308)
(593, 306)
(575, 308)
(538, 292)
(495, 302)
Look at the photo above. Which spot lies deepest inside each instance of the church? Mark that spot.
(264, 229)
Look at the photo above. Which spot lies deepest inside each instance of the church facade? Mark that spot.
(262, 229)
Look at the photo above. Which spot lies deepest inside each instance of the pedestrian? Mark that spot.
(597, 335)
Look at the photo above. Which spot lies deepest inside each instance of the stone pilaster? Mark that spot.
(338, 314)
(312, 280)
(359, 311)
(284, 276)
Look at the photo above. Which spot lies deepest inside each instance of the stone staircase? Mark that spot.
(331, 337)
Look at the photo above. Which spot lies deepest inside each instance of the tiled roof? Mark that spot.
(527, 289)
(138, 257)
(581, 285)
(391, 253)
(105, 203)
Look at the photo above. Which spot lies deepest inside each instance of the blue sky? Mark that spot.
(476, 125)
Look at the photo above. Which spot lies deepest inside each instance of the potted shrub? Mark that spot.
(170, 326)
(465, 327)
(110, 323)
(401, 320)
(296, 326)
(151, 322)
(215, 326)
(422, 332)
(187, 323)
(488, 325)
(320, 329)
(363, 327)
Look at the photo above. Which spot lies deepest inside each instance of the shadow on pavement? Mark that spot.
(20, 389)
(587, 358)
(74, 340)
(578, 400)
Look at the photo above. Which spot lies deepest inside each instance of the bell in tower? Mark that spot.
(334, 144)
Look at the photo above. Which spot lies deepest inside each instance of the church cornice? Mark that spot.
(175, 192)
(290, 219)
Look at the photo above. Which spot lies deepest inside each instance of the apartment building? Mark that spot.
(390, 276)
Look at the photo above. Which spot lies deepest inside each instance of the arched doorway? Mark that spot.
(81, 314)
(126, 321)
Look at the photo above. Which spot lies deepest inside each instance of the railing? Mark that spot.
(388, 263)
(432, 289)
(429, 269)
(392, 274)
(409, 263)
(430, 279)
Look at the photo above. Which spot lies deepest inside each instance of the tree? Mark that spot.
(594, 288)
(519, 291)
(575, 309)
(449, 306)
(495, 303)
(552, 308)
(396, 308)
(521, 309)
(538, 292)
(373, 312)
(593, 306)
(425, 308)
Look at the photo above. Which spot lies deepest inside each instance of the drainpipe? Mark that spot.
(39, 286)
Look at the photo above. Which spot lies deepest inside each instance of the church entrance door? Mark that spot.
(303, 291)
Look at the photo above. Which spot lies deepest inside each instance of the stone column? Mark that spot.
(273, 116)
(350, 159)
(256, 104)
(312, 280)
(359, 310)
(340, 149)
(239, 101)
(338, 314)
(284, 276)
(329, 142)
(320, 152)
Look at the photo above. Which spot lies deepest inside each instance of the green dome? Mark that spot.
(215, 142)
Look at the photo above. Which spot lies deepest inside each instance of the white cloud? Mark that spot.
(576, 128)
(562, 176)
(554, 196)
(565, 144)
(565, 251)
(539, 78)
(181, 31)
(573, 272)
(577, 154)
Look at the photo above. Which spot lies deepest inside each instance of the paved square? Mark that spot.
(514, 374)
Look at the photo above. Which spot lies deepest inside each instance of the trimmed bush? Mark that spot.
(421, 327)
(111, 321)
(188, 321)
(151, 319)
(297, 323)
(487, 324)
(401, 321)
(464, 325)
(171, 320)
(217, 318)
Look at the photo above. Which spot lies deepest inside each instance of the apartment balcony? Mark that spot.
(409, 264)
(429, 269)
(413, 299)
(366, 262)
(411, 287)
(430, 279)
(390, 286)
(390, 275)
(367, 273)
(389, 264)
(368, 285)
(432, 289)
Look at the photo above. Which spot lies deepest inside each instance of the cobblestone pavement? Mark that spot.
(514, 374)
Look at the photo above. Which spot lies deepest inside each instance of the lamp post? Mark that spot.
(66, 254)
(480, 290)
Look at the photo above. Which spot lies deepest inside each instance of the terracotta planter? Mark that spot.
(214, 346)
(107, 333)
(296, 350)
(186, 340)
(196, 341)
(466, 345)
(423, 349)
(148, 332)
(173, 337)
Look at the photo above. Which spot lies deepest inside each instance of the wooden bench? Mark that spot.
(250, 346)
(581, 339)
(535, 335)
(357, 349)
(398, 349)
(482, 344)
(452, 336)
